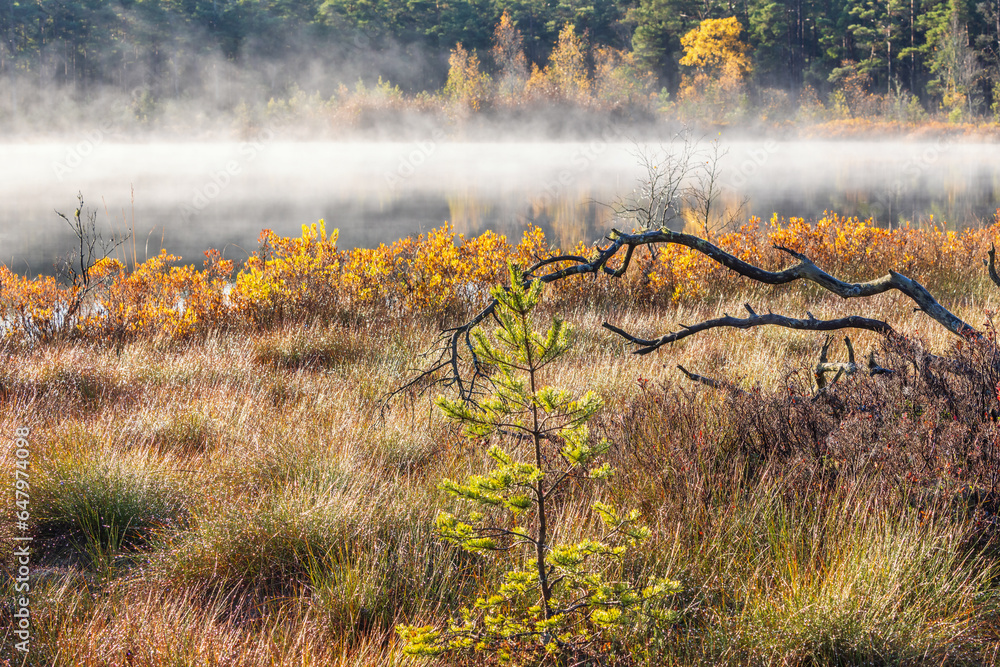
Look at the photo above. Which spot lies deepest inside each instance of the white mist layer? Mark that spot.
(192, 196)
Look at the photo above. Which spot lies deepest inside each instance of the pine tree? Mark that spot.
(556, 599)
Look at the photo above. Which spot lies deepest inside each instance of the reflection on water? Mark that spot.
(893, 182)
(189, 197)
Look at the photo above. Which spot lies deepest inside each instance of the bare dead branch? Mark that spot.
(840, 368)
(991, 265)
(92, 248)
(874, 368)
(805, 269)
(822, 368)
(808, 271)
(755, 320)
(850, 350)
(711, 382)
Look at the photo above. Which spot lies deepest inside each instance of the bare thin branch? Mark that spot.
(754, 320)
(710, 382)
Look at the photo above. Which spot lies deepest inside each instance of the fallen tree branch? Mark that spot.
(754, 320)
(840, 368)
(804, 270)
(457, 340)
(824, 366)
(874, 368)
(992, 266)
(710, 382)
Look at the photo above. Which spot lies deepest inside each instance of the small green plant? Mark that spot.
(559, 603)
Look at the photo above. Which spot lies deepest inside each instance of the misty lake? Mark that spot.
(187, 197)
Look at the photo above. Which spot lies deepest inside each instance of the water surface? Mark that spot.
(187, 197)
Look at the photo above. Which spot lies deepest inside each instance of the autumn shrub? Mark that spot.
(442, 276)
(848, 248)
(921, 427)
(157, 299)
(31, 308)
(289, 276)
(433, 276)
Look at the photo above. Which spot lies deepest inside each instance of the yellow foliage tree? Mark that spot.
(720, 62)
(565, 76)
(619, 81)
(466, 85)
(715, 48)
(508, 54)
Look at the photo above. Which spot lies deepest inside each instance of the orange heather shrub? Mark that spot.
(441, 275)
(855, 249)
(31, 307)
(364, 274)
(158, 299)
(289, 276)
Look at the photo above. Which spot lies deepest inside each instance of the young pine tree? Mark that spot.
(558, 601)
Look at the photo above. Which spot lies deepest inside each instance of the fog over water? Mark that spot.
(193, 196)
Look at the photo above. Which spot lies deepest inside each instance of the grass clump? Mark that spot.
(107, 500)
(832, 583)
(186, 432)
(342, 555)
(406, 450)
(313, 348)
(77, 387)
(264, 544)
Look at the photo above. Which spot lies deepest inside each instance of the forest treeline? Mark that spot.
(861, 58)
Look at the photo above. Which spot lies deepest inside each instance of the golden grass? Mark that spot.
(245, 500)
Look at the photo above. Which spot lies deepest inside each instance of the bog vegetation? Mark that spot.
(216, 477)
(441, 276)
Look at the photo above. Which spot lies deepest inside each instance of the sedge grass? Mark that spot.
(273, 513)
